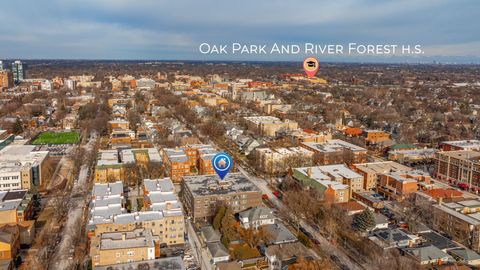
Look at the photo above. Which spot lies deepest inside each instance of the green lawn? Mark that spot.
(57, 138)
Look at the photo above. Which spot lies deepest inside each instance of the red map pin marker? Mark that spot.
(310, 66)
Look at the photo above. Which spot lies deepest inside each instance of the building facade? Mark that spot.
(18, 71)
(461, 168)
(124, 247)
(203, 194)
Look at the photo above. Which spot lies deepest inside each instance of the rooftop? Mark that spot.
(263, 119)
(439, 241)
(123, 240)
(472, 220)
(210, 234)
(465, 254)
(160, 194)
(428, 253)
(381, 167)
(217, 249)
(205, 185)
(400, 177)
(465, 144)
(287, 251)
(108, 189)
(319, 176)
(256, 213)
(462, 155)
(443, 193)
(11, 200)
(175, 154)
(280, 233)
(128, 155)
(333, 146)
(169, 263)
(339, 171)
(14, 156)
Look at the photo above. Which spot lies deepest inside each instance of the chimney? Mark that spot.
(309, 172)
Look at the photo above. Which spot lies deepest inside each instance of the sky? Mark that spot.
(447, 30)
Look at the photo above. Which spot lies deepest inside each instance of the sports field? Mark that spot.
(57, 138)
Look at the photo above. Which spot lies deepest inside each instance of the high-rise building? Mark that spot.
(1, 65)
(18, 71)
(6, 79)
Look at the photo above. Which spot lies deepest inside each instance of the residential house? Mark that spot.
(429, 255)
(255, 217)
(336, 152)
(280, 256)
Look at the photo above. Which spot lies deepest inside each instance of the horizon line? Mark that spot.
(432, 62)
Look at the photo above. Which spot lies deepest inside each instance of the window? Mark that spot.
(117, 254)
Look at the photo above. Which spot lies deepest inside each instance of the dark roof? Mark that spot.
(394, 235)
(439, 241)
(14, 195)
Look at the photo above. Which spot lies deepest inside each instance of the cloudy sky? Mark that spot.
(174, 29)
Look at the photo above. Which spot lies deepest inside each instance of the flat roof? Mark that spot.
(400, 177)
(20, 155)
(462, 154)
(321, 177)
(107, 189)
(211, 184)
(339, 170)
(175, 155)
(469, 219)
(169, 263)
(333, 146)
(465, 144)
(470, 203)
(130, 239)
(382, 167)
(263, 119)
(160, 184)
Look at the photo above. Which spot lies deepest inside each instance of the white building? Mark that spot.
(256, 217)
(70, 84)
(21, 167)
(145, 84)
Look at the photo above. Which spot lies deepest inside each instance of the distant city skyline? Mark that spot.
(173, 30)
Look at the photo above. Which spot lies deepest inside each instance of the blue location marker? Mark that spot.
(222, 163)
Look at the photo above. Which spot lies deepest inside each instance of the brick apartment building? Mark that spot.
(188, 160)
(268, 125)
(336, 152)
(461, 168)
(203, 194)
